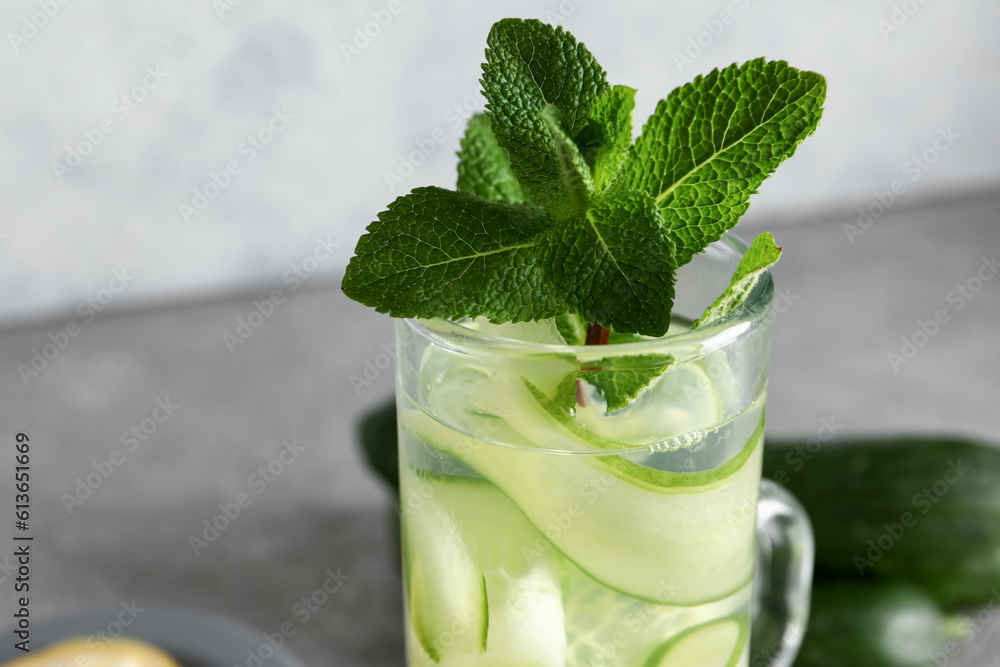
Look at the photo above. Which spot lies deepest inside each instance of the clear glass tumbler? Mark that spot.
(541, 528)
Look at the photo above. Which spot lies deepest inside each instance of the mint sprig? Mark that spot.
(614, 264)
(712, 142)
(438, 253)
(759, 257)
(483, 167)
(559, 214)
(607, 136)
(529, 67)
(620, 379)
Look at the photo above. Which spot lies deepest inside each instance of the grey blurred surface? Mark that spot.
(895, 80)
(848, 306)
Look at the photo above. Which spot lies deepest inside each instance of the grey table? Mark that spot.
(319, 516)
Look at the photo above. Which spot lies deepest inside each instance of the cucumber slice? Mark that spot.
(604, 627)
(445, 589)
(719, 643)
(524, 594)
(631, 533)
(538, 331)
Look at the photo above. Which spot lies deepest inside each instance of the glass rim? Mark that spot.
(698, 341)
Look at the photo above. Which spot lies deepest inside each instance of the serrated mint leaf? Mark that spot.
(438, 253)
(712, 142)
(615, 338)
(564, 416)
(572, 328)
(483, 168)
(608, 134)
(620, 379)
(614, 265)
(759, 257)
(574, 172)
(564, 395)
(530, 65)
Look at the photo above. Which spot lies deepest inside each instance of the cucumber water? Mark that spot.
(537, 535)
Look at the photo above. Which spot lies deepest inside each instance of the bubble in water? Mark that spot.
(686, 441)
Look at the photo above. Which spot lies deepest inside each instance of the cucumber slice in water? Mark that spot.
(718, 643)
(524, 592)
(632, 534)
(445, 589)
(523, 596)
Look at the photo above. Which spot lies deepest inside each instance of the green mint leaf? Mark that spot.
(438, 253)
(572, 328)
(607, 137)
(483, 167)
(616, 338)
(620, 379)
(712, 142)
(574, 173)
(530, 65)
(614, 264)
(564, 394)
(759, 257)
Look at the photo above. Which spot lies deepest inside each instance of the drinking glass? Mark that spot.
(540, 527)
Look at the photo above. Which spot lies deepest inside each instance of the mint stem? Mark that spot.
(597, 335)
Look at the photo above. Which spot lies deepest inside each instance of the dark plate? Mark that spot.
(194, 638)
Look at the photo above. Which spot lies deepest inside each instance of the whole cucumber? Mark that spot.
(871, 624)
(925, 510)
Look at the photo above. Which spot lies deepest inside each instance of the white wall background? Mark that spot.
(354, 118)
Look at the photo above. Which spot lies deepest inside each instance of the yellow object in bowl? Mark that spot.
(83, 652)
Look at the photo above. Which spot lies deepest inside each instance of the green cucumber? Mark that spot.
(925, 510)
(628, 532)
(872, 624)
(720, 643)
(525, 605)
(445, 588)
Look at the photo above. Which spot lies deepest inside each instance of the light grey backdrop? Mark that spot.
(899, 71)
